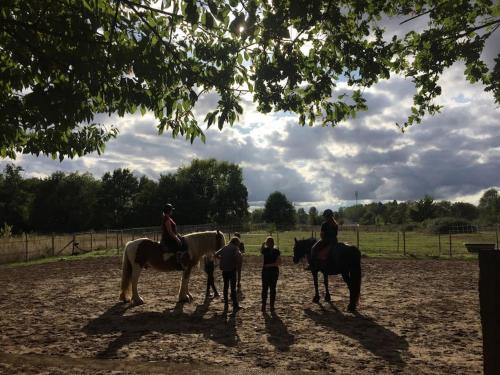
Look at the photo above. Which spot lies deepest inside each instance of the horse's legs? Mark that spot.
(316, 291)
(352, 301)
(327, 292)
(136, 271)
(239, 278)
(183, 290)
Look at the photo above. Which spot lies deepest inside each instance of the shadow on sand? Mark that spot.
(278, 334)
(377, 339)
(220, 328)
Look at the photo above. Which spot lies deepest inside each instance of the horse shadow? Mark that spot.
(220, 328)
(380, 341)
(278, 335)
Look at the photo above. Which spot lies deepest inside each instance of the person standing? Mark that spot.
(271, 257)
(230, 261)
(242, 251)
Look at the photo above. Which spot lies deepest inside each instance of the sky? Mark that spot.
(454, 155)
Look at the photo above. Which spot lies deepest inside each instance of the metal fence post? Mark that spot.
(496, 230)
(450, 245)
(357, 236)
(53, 245)
(439, 244)
(404, 243)
(26, 246)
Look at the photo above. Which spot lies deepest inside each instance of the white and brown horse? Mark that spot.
(145, 252)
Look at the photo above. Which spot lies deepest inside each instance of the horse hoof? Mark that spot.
(138, 302)
(316, 299)
(328, 298)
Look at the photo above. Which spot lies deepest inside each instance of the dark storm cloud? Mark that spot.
(261, 183)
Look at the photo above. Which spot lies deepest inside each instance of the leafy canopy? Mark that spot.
(64, 62)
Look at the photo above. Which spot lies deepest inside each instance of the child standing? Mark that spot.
(230, 261)
(271, 257)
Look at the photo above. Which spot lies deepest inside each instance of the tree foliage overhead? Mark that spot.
(62, 62)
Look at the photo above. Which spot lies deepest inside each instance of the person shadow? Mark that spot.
(219, 327)
(277, 333)
(377, 339)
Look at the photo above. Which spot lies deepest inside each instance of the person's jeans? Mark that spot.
(229, 278)
(269, 281)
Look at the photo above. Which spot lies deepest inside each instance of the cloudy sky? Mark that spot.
(454, 155)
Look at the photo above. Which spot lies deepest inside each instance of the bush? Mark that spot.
(449, 225)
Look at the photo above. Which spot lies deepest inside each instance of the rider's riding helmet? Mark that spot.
(327, 213)
(168, 208)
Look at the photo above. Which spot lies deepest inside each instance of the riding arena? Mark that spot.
(413, 316)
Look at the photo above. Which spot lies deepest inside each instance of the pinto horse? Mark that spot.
(347, 262)
(145, 252)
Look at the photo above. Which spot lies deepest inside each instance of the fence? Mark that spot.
(372, 240)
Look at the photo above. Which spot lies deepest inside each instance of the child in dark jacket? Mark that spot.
(209, 267)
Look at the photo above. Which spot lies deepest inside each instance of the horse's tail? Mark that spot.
(355, 279)
(126, 276)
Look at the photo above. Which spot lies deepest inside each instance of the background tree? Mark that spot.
(423, 209)
(147, 206)
(117, 57)
(212, 191)
(314, 218)
(463, 210)
(65, 203)
(489, 207)
(116, 198)
(256, 216)
(15, 199)
(279, 210)
(302, 217)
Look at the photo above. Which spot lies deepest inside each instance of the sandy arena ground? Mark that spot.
(415, 317)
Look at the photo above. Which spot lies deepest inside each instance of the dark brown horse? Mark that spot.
(347, 262)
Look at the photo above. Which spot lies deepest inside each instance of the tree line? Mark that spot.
(426, 213)
(205, 191)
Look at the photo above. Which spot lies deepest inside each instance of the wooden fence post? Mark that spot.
(496, 230)
(53, 245)
(26, 246)
(73, 245)
(106, 241)
(489, 285)
(91, 241)
(117, 246)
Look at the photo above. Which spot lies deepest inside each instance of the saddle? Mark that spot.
(329, 256)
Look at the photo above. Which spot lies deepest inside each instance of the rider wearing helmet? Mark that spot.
(169, 236)
(329, 230)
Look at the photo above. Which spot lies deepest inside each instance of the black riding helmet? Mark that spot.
(327, 213)
(168, 208)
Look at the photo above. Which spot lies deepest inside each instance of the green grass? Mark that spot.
(372, 244)
(383, 244)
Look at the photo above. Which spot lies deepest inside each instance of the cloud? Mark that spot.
(454, 155)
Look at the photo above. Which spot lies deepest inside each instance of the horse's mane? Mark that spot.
(201, 243)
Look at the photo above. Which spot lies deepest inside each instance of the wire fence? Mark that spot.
(371, 240)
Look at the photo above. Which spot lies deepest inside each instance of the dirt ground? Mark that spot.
(415, 317)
